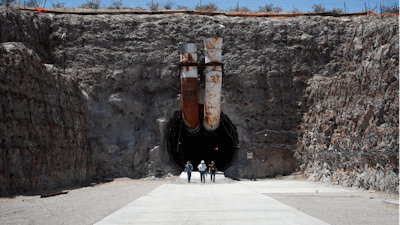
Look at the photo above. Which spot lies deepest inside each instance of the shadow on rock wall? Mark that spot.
(42, 125)
(127, 133)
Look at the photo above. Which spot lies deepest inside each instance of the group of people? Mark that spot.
(212, 169)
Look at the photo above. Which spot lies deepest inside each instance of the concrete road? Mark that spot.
(223, 202)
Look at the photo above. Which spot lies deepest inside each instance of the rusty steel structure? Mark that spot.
(189, 87)
(213, 83)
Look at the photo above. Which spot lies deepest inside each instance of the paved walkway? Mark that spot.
(223, 202)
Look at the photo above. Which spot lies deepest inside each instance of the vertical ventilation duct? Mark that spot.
(189, 89)
(213, 83)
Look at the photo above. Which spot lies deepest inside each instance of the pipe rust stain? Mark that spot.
(214, 68)
(215, 39)
(211, 44)
(187, 69)
(214, 79)
(212, 96)
(187, 57)
(211, 119)
(207, 118)
(213, 56)
(190, 57)
(190, 105)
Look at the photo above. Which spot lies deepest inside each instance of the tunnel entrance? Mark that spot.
(219, 146)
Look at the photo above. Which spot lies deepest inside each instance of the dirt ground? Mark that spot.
(359, 207)
(343, 208)
(88, 205)
(82, 205)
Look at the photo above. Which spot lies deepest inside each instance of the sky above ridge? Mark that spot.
(302, 5)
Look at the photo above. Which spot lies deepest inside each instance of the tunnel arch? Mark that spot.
(183, 146)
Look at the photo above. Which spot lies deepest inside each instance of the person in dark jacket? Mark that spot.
(212, 169)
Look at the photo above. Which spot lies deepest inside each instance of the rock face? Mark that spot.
(42, 127)
(30, 28)
(127, 66)
(350, 131)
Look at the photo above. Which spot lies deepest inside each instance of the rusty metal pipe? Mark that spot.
(213, 84)
(189, 88)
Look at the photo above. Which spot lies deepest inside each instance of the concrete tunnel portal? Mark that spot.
(219, 146)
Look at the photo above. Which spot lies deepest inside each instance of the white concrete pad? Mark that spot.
(291, 186)
(210, 203)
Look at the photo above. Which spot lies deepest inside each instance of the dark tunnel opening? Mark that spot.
(219, 146)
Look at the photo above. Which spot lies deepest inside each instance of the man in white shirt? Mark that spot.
(202, 168)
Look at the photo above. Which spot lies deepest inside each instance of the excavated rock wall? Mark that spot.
(350, 131)
(126, 65)
(30, 28)
(42, 125)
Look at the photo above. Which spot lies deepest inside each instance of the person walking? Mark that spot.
(189, 168)
(202, 168)
(212, 169)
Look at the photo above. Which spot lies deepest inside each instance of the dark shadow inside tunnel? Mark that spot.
(219, 146)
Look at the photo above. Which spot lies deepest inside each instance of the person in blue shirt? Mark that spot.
(189, 168)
